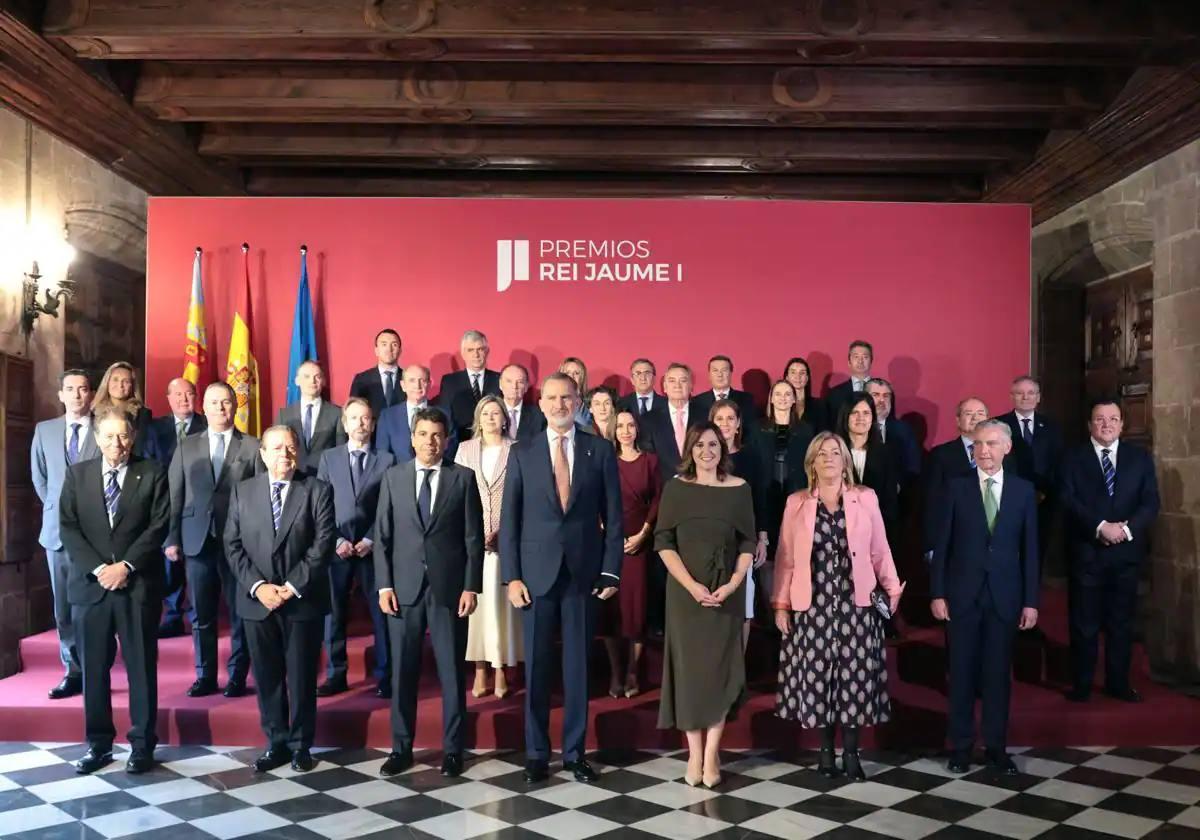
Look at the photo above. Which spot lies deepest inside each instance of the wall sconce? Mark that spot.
(31, 308)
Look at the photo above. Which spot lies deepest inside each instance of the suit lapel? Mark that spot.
(446, 479)
(88, 448)
(297, 497)
(339, 469)
(130, 487)
(407, 493)
(541, 446)
(583, 457)
(235, 444)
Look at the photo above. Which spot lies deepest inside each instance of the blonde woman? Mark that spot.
(119, 388)
(574, 367)
(602, 402)
(494, 629)
(833, 554)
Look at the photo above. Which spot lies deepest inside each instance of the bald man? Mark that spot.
(393, 431)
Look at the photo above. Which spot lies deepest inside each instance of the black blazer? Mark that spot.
(947, 461)
(702, 403)
(448, 553)
(327, 432)
(455, 398)
(199, 502)
(135, 537)
(1038, 462)
(800, 435)
(966, 556)
(161, 440)
(353, 505)
(838, 394)
(629, 402)
(368, 384)
(1084, 496)
(298, 553)
(881, 473)
(531, 422)
(816, 415)
(659, 437)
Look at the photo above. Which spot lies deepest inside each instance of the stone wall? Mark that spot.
(1153, 217)
(62, 185)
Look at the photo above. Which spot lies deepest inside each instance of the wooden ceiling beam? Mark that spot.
(54, 92)
(858, 31)
(605, 93)
(305, 182)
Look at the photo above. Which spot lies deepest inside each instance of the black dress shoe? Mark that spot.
(582, 770)
(1000, 762)
(68, 687)
(827, 765)
(384, 689)
(202, 688)
(960, 762)
(536, 771)
(1077, 695)
(92, 761)
(1125, 695)
(171, 631)
(452, 765)
(302, 761)
(272, 758)
(396, 764)
(852, 766)
(332, 687)
(140, 761)
(235, 688)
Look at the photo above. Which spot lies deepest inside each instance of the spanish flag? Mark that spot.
(195, 352)
(242, 368)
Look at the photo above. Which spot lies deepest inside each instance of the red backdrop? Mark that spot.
(941, 290)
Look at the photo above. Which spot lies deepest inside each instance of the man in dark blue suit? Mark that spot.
(948, 461)
(393, 431)
(720, 377)
(860, 357)
(525, 420)
(984, 582)
(162, 436)
(1110, 496)
(354, 470)
(643, 400)
(461, 390)
(380, 385)
(1037, 451)
(561, 545)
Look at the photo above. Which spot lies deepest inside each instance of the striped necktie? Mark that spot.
(1110, 471)
(112, 494)
(971, 454)
(276, 502)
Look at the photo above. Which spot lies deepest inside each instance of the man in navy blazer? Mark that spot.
(354, 470)
(948, 461)
(1110, 495)
(720, 377)
(561, 545)
(460, 390)
(380, 385)
(162, 436)
(524, 419)
(984, 582)
(393, 431)
(860, 357)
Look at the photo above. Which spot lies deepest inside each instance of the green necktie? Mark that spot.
(990, 509)
(180, 429)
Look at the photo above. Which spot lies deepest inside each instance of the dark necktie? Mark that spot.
(276, 502)
(112, 494)
(356, 468)
(971, 454)
(425, 498)
(475, 392)
(308, 423)
(1026, 431)
(180, 431)
(389, 386)
(218, 457)
(73, 444)
(1110, 471)
(645, 407)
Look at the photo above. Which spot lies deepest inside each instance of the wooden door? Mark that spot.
(19, 510)
(1119, 348)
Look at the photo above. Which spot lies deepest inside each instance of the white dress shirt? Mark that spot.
(859, 457)
(720, 395)
(514, 419)
(1097, 447)
(857, 384)
(105, 469)
(212, 441)
(433, 482)
(968, 446)
(412, 408)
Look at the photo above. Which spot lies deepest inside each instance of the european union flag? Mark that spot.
(304, 331)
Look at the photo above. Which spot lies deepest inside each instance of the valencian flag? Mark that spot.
(242, 368)
(195, 352)
(304, 331)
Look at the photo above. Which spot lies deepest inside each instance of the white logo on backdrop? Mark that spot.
(620, 261)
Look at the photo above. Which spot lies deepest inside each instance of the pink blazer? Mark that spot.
(870, 557)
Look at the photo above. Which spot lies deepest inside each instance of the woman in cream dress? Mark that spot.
(494, 630)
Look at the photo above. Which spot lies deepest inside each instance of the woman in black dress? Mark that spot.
(873, 462)
(812, 410)
(782, 441)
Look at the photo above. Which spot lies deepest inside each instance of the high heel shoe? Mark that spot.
(477, 691)
(711, 782)
(501, 693)
(826, 765)
(689, 781)
(852, 766)
(632, 689)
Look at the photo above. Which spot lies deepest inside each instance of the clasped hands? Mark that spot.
(113, 576)
(1112, 533)
(347, 549)
(717, 596)
(271, 596)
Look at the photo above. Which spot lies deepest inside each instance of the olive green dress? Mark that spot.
(704, 675)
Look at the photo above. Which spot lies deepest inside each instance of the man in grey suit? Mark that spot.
(203, 470)
(57, 444)
(316, 422)
(355, 471)
(429, 569)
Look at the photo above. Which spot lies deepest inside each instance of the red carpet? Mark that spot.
(1040, 716)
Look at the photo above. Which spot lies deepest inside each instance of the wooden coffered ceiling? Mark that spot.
(1042, 101)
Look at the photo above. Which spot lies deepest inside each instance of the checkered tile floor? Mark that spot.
(205, 792)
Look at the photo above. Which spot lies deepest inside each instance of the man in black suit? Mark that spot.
(278, 537)
(643, 400)
(665, 431)
(1037, 451)
(524, 419)
(429, 570)
(114, 513)
(380, 385)
(460, 390)
(948, 461)
(202, 473)
(316, 422)
(860, 357)
(354, 471)
(561, 545)
(1110, 496)
(162, 436)
(984, 582)
(893, 431)
(720, 377)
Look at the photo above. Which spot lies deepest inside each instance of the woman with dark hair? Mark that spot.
(783, 440)
(601, 403)
(873, 463)
(705, 537)
(747, 464)
(119, 388)
(812, 410)
(624, 617)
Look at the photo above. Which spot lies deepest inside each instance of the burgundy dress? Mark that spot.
(641, 487)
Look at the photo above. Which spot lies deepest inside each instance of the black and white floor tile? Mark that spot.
(206, 792)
